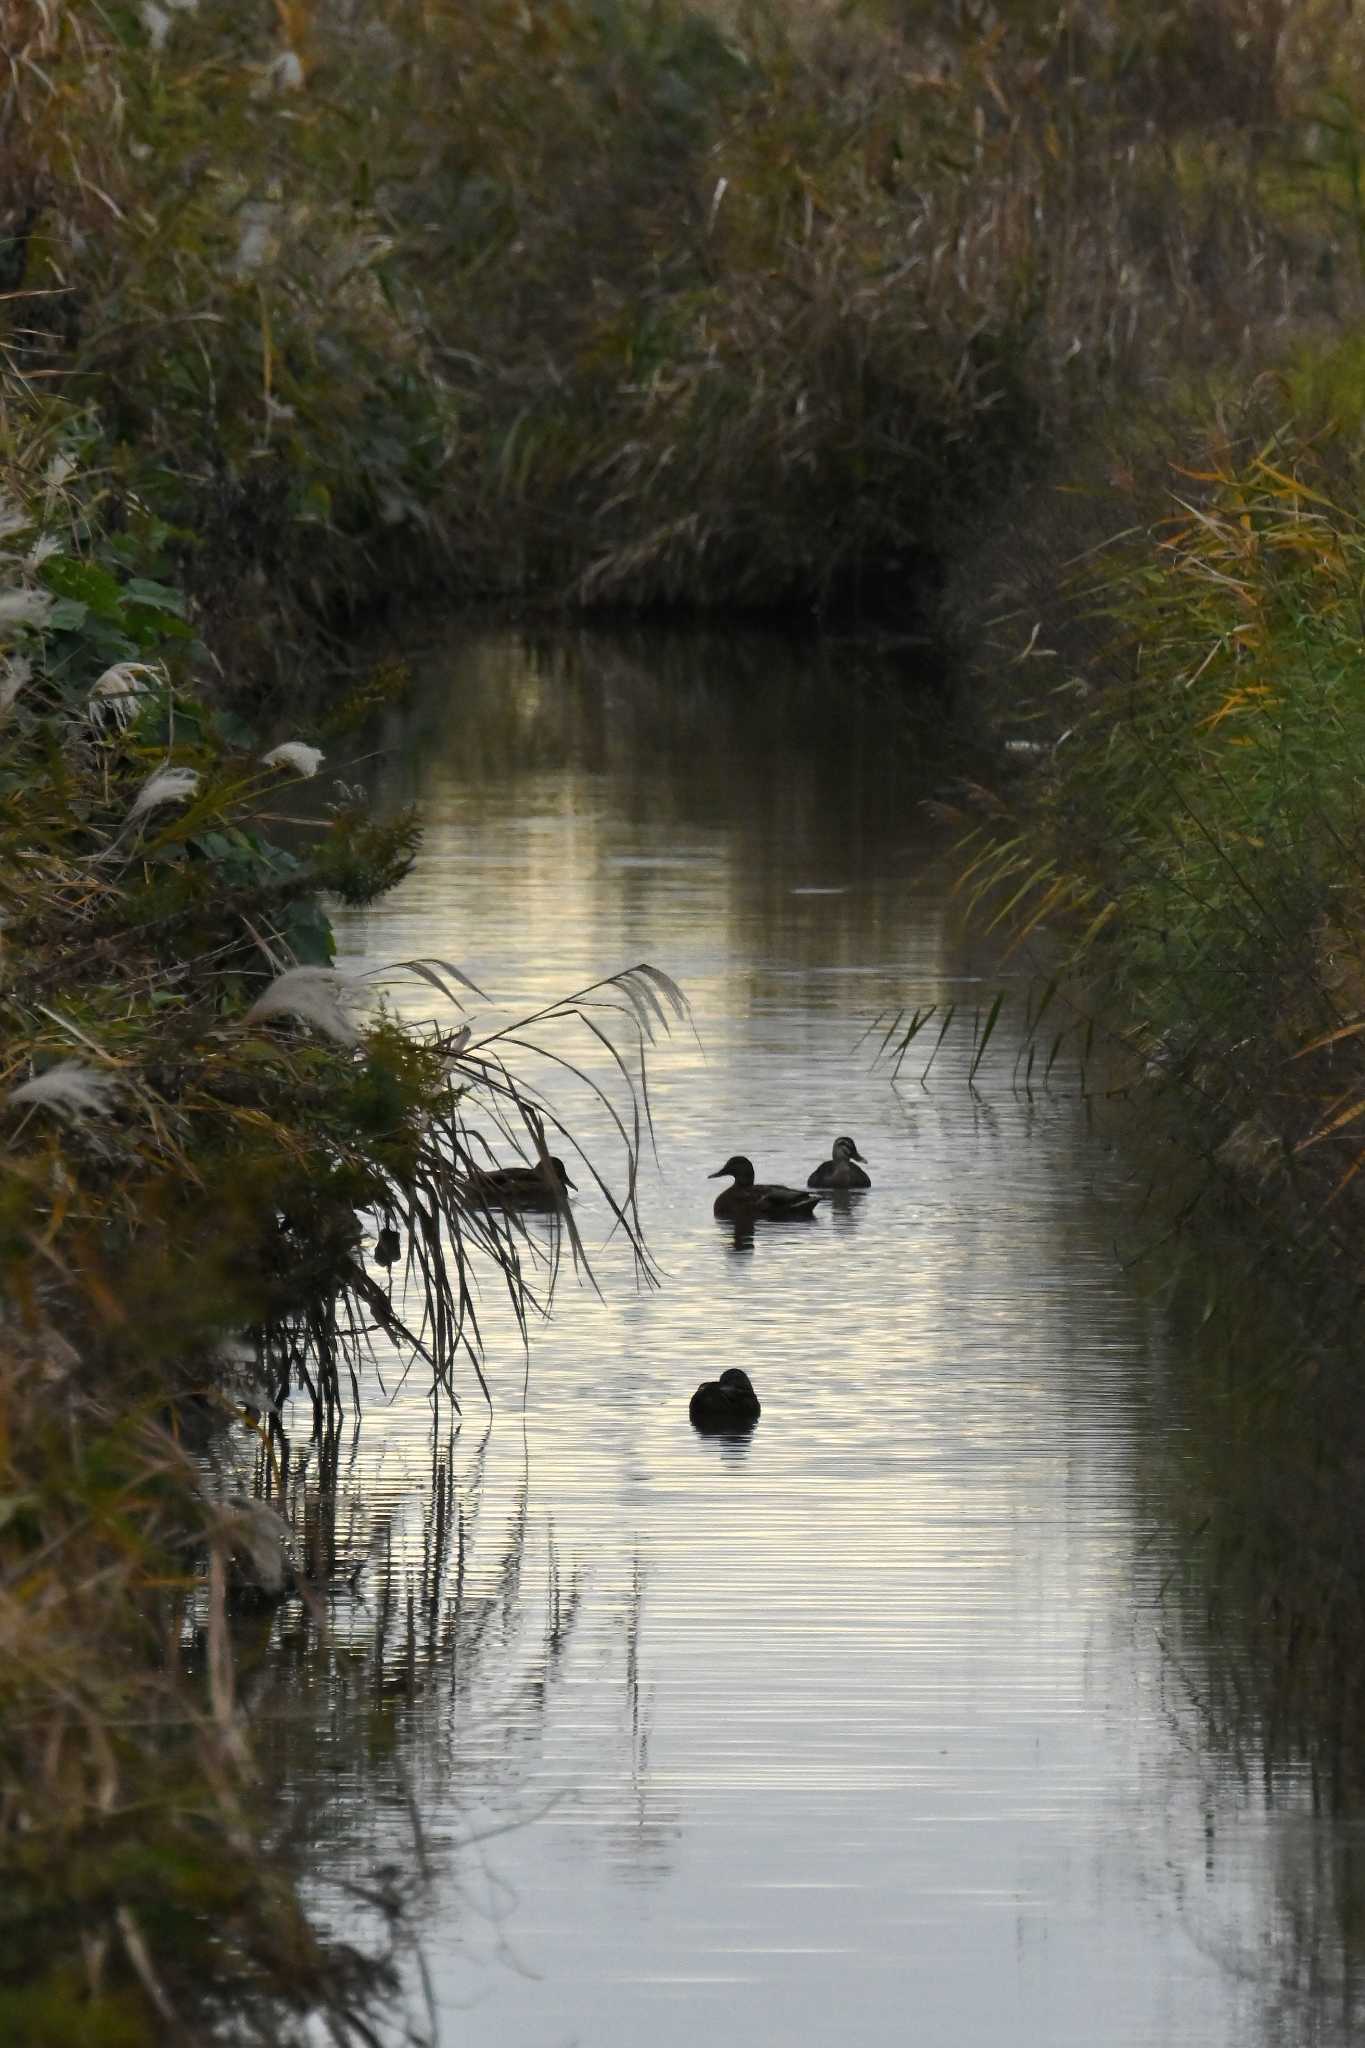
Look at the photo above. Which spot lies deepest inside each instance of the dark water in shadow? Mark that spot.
(860, 1728)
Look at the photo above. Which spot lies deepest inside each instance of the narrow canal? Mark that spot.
(863, 1729)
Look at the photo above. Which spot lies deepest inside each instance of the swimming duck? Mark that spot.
(540, 1186)
(749, 1198)
(728, 1403)
(839, 1170)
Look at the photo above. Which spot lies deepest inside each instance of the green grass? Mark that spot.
(1194, 823)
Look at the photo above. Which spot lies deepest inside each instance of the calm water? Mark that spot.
(860, 1730)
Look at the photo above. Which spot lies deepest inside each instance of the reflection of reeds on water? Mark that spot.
(416, 1674)
(645, 1832)
(683, 730)
(1263, 1619)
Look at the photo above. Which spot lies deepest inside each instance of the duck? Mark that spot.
(541, 1186)
(749, 1198)
(838, 1171)
(728, 1403)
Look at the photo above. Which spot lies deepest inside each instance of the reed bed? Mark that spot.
(1193, 819)
(646, 306)
(1184, 848)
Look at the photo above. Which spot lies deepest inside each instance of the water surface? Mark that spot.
(859, 1729)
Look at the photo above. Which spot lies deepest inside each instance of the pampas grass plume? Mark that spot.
(24, 607)
(166, 786)
(71, 1088)
(315, 995)
(117, 692)
(295, 754)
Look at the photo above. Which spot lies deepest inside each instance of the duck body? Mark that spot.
(749, 1199)
(726, 1404)
(542, 1186)
(839, 1171)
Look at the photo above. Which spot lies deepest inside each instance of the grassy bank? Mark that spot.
(175, 1168)
(1194, 729)
(1188, 837)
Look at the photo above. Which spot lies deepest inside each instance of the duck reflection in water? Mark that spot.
(725, 1406)
(847, 1210)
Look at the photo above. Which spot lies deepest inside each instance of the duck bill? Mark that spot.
(719, 1174)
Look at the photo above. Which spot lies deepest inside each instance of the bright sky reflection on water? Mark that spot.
(858, 1730)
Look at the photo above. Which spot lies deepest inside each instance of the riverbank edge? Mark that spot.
(196, 1117)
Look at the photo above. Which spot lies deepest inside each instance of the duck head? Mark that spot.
(844, 1148)
(558, 1168)
(734, 1383)
(740, 1169)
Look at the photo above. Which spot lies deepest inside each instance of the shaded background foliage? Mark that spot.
(646, 305)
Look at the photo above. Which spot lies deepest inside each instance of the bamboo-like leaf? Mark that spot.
(1340, 1186)
(1097, 924)
(1294, 485)
(1336, 1123)
(1331, 1038)
(991, 1023)
(1032, 880)
(915, 1026)
(1065, 887)
(426, 970)
(948, 1016)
